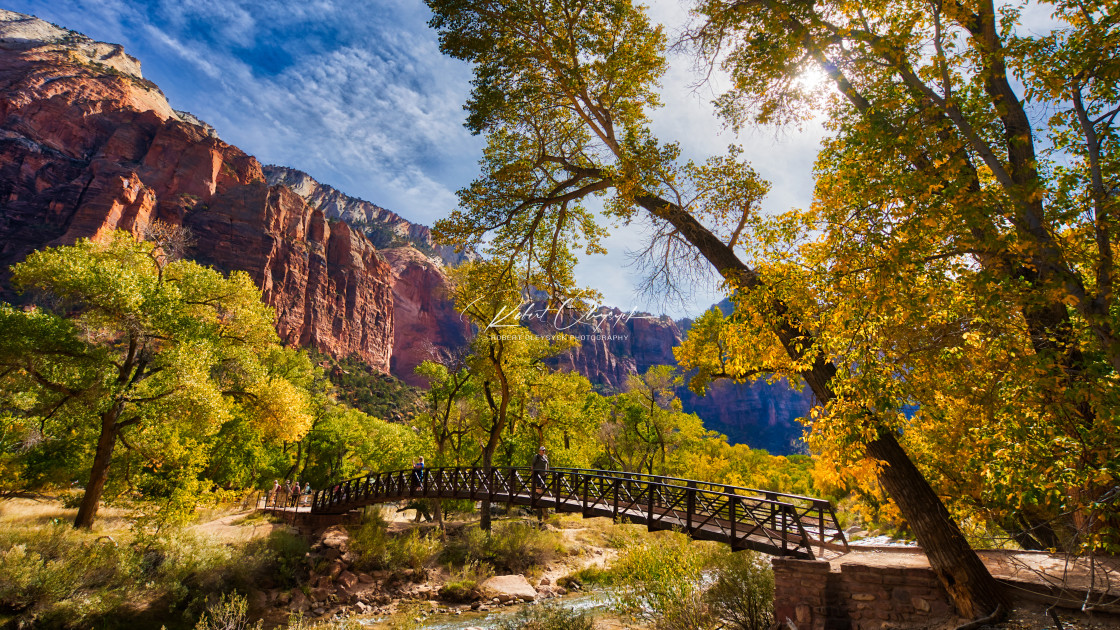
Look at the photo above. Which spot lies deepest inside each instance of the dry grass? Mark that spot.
(31, 513)
(52, 575)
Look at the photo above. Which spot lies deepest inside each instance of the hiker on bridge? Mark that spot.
(540, 464)
(418, 473)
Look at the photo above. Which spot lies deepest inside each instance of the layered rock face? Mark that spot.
(88, 146)
(613, 344)
(386, 228)
(758, 414)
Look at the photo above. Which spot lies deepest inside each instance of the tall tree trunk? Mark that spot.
(99, 473)
(484, 520)
(969, 583)
(965, 577)
(500, 409)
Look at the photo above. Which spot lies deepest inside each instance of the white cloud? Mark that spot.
(358, 95)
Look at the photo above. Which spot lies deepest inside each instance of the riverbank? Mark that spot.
(388, 566)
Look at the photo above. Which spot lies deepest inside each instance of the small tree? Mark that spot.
(742, 596)
(124, 345)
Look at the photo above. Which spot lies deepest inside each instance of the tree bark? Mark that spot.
(484, 514)
(972, 588)
(970, 585)
(99, 472)
(500, 409)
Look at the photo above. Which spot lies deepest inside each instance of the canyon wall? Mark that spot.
(87, 146)
(385, 228)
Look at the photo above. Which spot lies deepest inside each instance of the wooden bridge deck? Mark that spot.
(745, 518)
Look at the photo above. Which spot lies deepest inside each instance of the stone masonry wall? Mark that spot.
(857, 597)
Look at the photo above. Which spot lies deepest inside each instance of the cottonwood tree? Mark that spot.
(562, 89)
(505, 356)
(125, 345)
(959, 258)
(647, 425)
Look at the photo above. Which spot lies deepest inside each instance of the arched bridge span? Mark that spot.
(745, 518)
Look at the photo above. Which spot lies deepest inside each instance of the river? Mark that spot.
(594, 602)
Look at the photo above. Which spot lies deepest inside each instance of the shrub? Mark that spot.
(586, 576)
(463, 584)
(548, 617)
(56, 576)
(518, 546)
(63, 577)
(415, 549)
(659, 582)
(742, 596)
(299, 622)
(231, 612)
(467, 545)
(377, 549)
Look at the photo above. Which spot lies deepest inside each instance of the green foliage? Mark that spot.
(659, 581)
(359, 386)
(742, 596)
(299, 622)
(126, 344)
(345, 442)
(588, 576)
(231, 612)
(286, 552)
(511, 547)
(377, 548)
(548, 617)
(55, 576)
(517, 546)
(464, 582)
(647, 428)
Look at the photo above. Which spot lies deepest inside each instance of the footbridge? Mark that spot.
(744, 518)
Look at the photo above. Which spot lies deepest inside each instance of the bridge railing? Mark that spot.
(775, 522)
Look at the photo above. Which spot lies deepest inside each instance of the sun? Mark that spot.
(812, 79)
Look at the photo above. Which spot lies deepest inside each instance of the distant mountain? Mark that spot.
(87, 146)
(615, 344)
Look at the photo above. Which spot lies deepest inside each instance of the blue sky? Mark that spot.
(357, 94)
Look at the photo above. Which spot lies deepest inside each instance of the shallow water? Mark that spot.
(594, 602)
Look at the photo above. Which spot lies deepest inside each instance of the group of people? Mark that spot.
(288, 494)
(539, 466)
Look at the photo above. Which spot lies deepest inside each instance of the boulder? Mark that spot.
(335, 538)
(347, 579)
(299, 601)
(512, 586)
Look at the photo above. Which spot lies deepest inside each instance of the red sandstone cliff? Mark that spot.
(87, 145)
(427, 325)
(385, 228)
